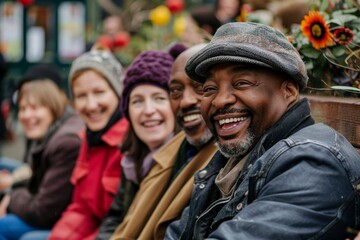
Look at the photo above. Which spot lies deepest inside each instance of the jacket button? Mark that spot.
(246, 193)
(239, 206)
(202, 173)
(202, 186)
(249, 166)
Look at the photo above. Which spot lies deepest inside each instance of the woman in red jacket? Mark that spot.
(95, 81)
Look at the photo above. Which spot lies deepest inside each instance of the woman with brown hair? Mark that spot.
(51, 128)
(146, 104)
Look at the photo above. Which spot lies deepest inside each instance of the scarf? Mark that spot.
(129, 167)
(94, 137)
(185, 154)
(34, 145)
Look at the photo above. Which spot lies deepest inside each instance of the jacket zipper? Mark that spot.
(214, 204)
(221, 201)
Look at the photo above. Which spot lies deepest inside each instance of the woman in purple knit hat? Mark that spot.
(146, 104)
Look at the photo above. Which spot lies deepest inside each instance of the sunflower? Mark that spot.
(314, 27)
(343, 36)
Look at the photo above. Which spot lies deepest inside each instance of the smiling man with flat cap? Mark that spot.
(277, 174)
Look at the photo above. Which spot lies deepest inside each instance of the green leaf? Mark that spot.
(346, 88)
(323, 6)
(355, 24)
(309, 65)
(338, 51)
(357, 38)
(350, 10)
(336, 21)
(309, 52)
(336, 13)
(347, 18)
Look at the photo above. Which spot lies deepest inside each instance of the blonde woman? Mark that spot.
(95, 82)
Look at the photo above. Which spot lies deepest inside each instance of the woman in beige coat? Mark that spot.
(166, 190)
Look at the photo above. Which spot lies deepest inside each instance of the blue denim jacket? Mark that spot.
(299, 182)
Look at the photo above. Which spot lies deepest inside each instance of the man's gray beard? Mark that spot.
(205, 138)
(239, 148)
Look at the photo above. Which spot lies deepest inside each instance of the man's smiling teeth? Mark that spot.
(230, 120)
(191, 117)
(151, 123)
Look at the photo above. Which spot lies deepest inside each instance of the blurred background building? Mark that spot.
(57, 31)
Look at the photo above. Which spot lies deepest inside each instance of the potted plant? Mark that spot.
(328, 40)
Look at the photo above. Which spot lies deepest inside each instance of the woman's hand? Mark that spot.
(4, 204)
(6, 180)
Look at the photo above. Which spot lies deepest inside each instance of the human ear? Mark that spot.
(290, 92)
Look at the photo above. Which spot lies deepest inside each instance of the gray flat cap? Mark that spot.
(251, 43)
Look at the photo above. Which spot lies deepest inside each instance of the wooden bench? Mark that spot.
(342, 114)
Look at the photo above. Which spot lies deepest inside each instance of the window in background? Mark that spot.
(39, 33)
(11, 31)
(71, 37)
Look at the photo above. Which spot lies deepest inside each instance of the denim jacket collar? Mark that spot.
(296, 118)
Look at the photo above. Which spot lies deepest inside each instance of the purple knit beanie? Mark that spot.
(149, 67)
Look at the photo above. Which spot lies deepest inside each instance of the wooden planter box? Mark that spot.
(342, 114)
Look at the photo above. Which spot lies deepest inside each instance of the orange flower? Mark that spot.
(244, 12)
(314, 27)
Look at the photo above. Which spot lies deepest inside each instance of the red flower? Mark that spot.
(343, 36)
(26, 2)
(121, 39)
(175, 6)
(105, 41)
